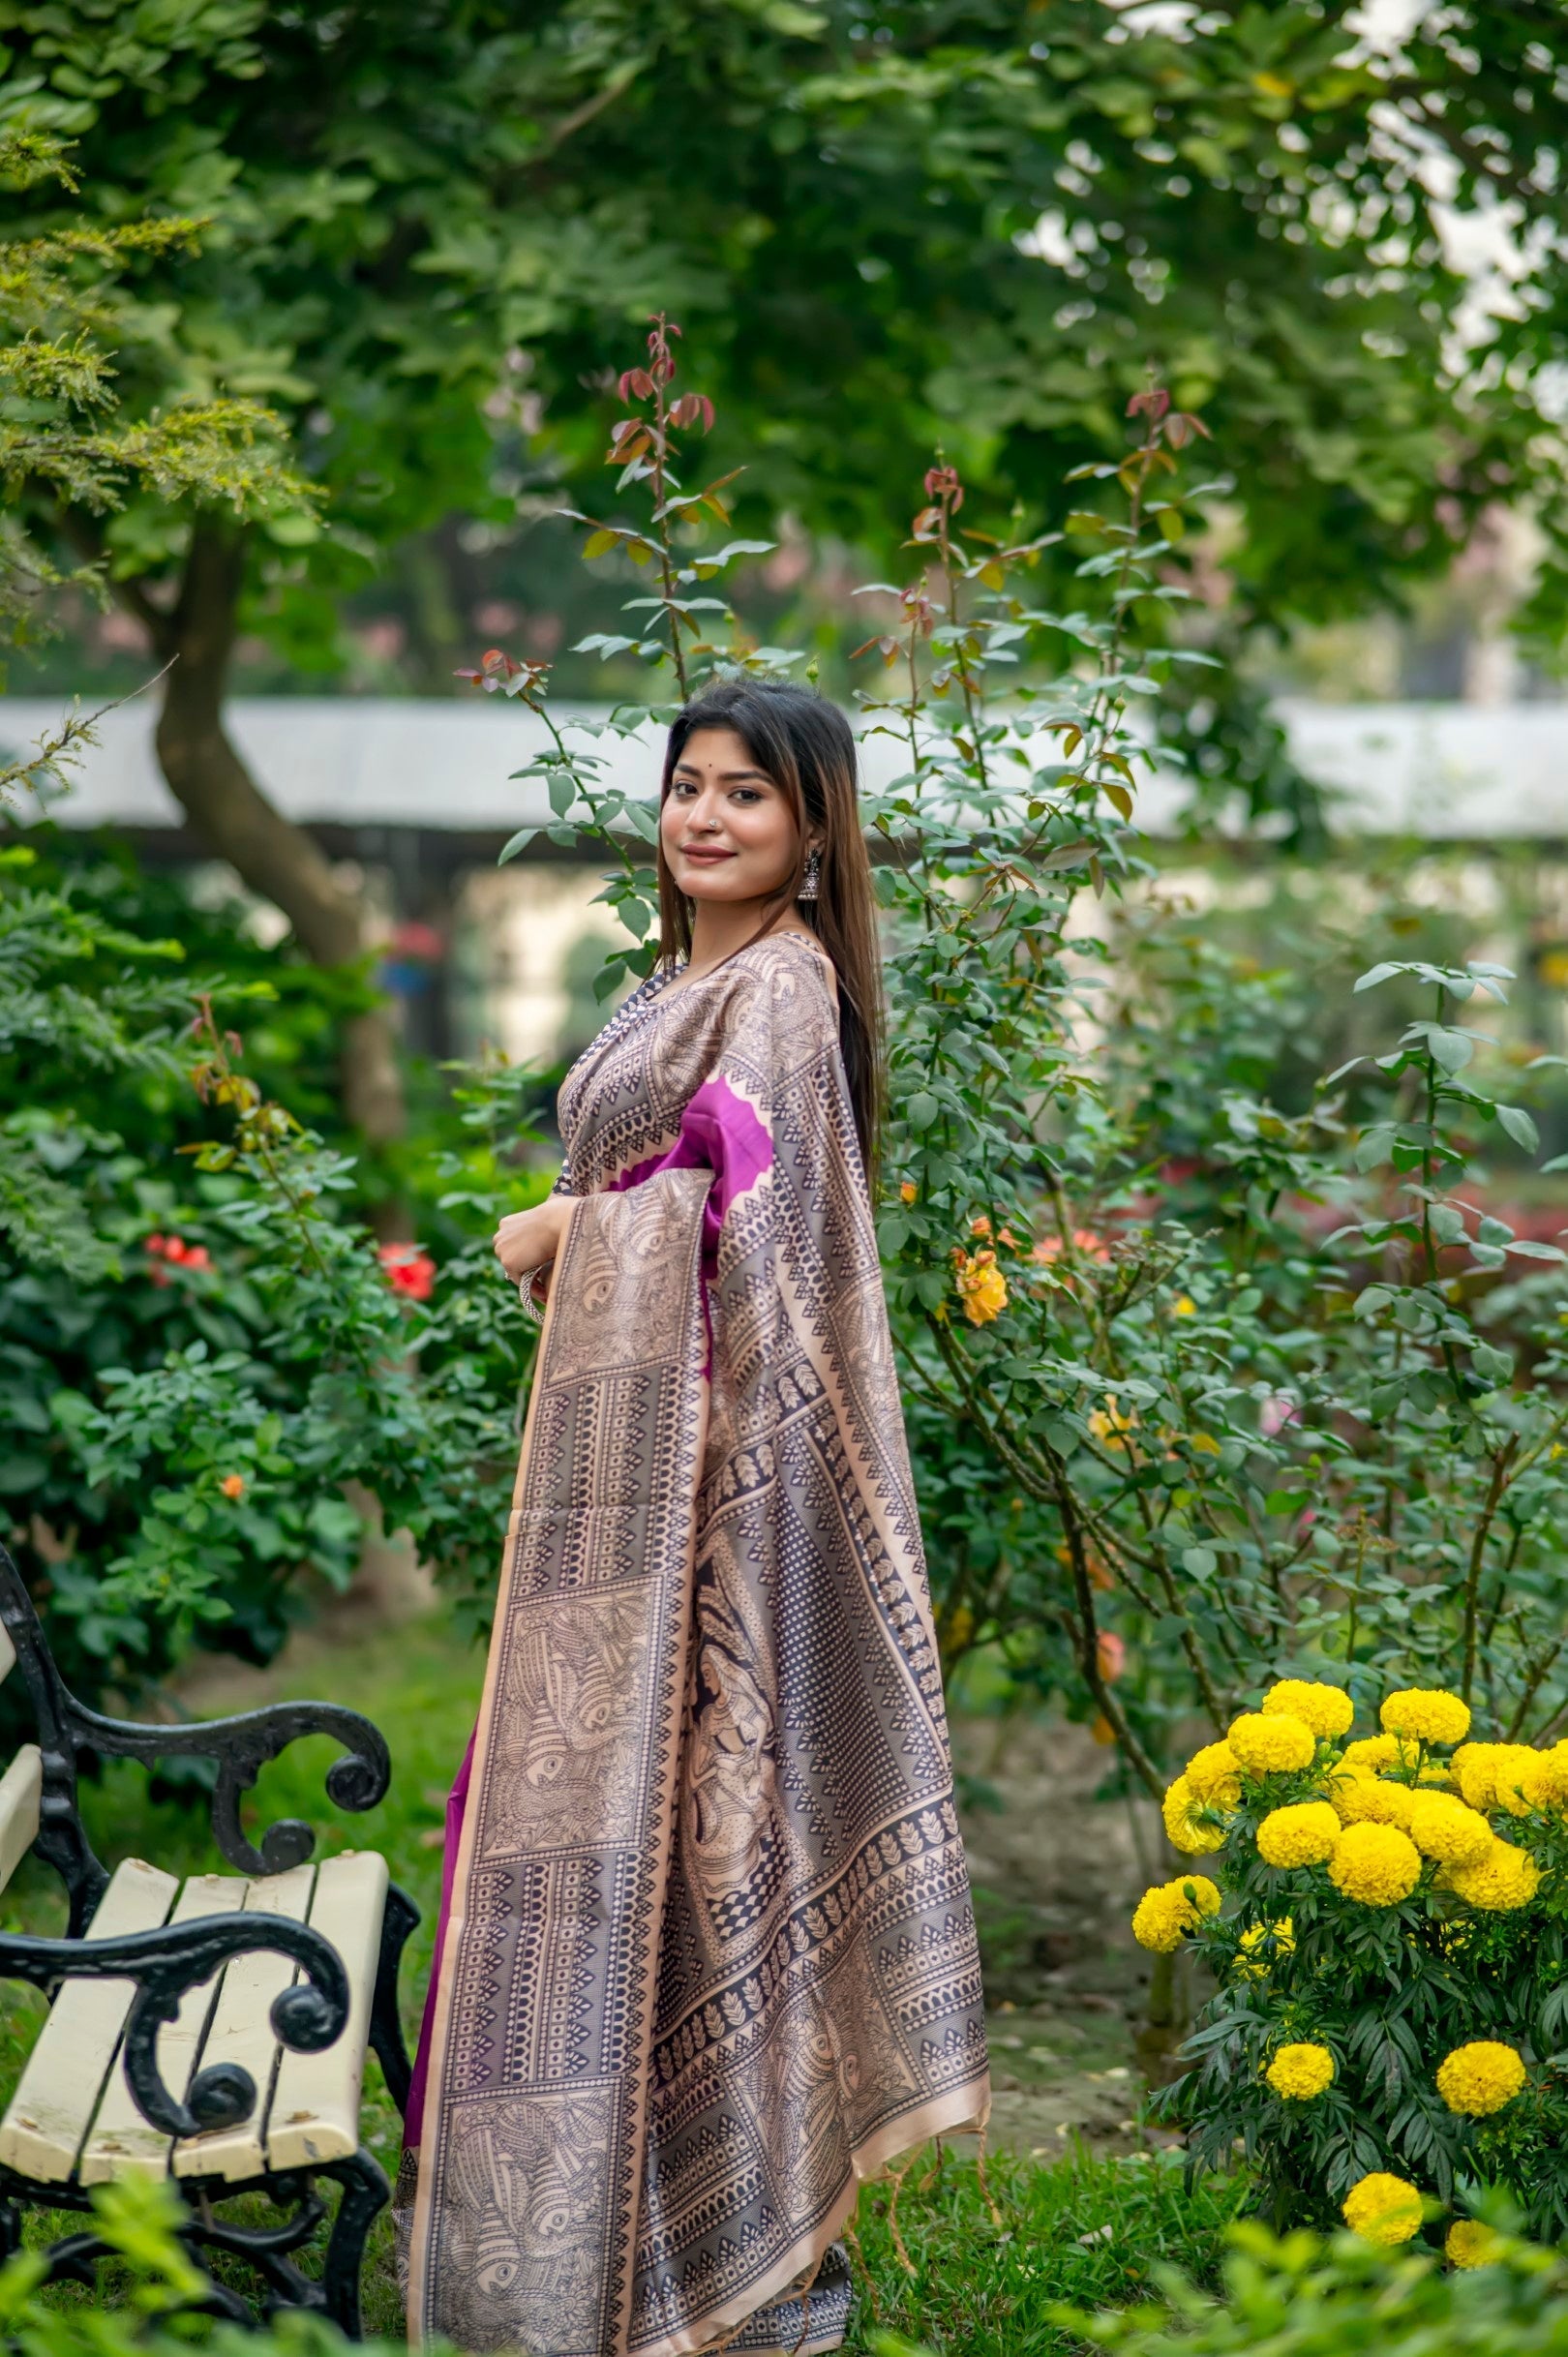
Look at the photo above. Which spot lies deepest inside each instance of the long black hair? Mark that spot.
(807, 747)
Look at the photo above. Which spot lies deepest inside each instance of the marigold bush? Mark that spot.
(1392, 1971)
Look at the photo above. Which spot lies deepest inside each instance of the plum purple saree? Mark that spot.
(707, 1956)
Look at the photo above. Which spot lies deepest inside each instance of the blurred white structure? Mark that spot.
(1467, 772)
(419, 795)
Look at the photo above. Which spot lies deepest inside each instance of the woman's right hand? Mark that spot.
(528, 1239)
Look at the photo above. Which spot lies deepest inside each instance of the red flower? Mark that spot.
(175, 1250)
(409, 1270)
(232, 1485)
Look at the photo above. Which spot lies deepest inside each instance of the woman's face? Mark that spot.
(728, 832)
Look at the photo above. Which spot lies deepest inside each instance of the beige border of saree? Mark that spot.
(710, 1959)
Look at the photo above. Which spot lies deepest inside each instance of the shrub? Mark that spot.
(1305, 2298)
(1384, 1918)
(138, 2220)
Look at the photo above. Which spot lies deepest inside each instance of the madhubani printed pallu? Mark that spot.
(708, 1956)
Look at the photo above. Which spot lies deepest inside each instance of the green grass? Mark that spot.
(971, 2284)
(1080, 2229)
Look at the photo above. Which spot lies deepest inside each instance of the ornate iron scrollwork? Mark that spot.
(165, 1963)
(241, 1746)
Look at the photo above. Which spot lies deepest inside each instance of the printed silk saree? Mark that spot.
(708, 1956)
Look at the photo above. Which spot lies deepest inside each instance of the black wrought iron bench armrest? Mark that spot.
(167, 1962)
(242, 1747)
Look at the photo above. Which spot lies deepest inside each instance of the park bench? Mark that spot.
(214, 2031)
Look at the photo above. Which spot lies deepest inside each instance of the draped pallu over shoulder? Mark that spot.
(709, 1956)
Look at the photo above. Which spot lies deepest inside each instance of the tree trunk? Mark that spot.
(232, 816)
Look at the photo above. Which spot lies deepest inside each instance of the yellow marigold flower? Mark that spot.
(1544, 1783)
(1327, 1710)
(982, 1286)
(1469, 2244)
(1444, 1828)
(1513, 1768)
(1374, 1863)
(1185, 1306)
(1251, 1964)
(1300, 2073)
(1426, 1714)
(1186, 1832)
(1166, 1914)
(1382, 2209)
(1302, 1835)
(1265, 1742)
(1361, 1799)
(1213, 1775)
(1480, 2078)
(1474, 1766)
(1505, 1879)
(1373, 1751)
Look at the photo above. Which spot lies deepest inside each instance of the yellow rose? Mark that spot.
(1505, 1879)
(1444, 1828)
(1426, 1714)
(1382, 2209)
(1300, 2073)
(1267, 1743)
(1327, 1710)
(1480, 2078)
(1374, 1863)
(1302, 1835)
(982, 1286)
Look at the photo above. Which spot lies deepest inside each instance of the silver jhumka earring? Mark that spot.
(811, 881)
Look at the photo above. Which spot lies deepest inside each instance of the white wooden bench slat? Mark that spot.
(58, 2090)
(316, 2104)
(21, 1789)
(241, 2032)
(8, 1656)
(122, 2141)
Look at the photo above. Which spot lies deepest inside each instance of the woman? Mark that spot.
(707, 1956)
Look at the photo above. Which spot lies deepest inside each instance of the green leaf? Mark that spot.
(1520, 1127)
(922, 1109)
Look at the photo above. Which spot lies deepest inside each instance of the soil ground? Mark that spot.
(1057, 1872)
